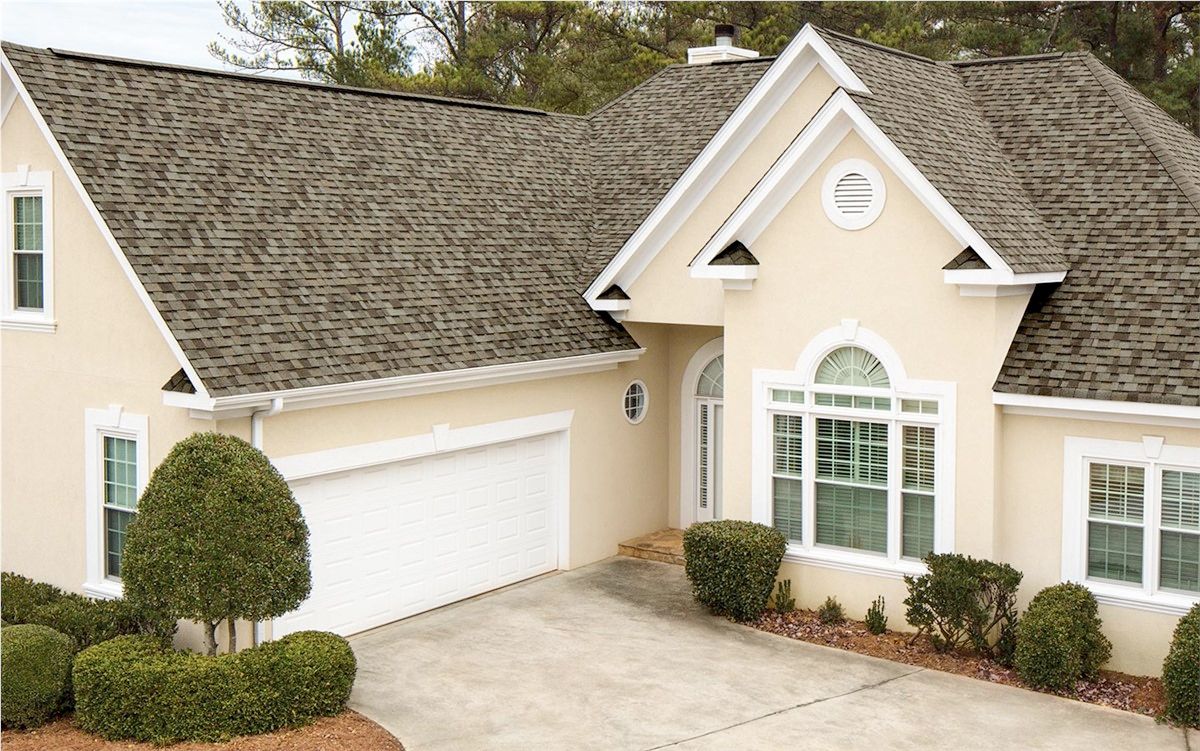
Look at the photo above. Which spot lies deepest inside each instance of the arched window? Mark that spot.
(853, 459)
(712, 379)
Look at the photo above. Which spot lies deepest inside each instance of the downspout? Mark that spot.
(256, 440)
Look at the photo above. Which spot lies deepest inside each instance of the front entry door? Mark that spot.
(708, 484)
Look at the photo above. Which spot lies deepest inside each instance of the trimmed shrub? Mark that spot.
(784, 602)
(876, 620)
(732, 565)
(1059, 639)
(831, 612)
(1181, 671)
(35, 674)
(965, 601)
(85, 620)
(131, 688)
(218, 536)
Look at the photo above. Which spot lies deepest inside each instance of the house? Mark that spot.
(886, 304)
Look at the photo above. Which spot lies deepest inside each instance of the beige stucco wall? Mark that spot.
(1030, 523)
(664, 292)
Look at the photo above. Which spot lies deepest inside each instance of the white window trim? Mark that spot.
(873, 176)
(944, 392)
(645, 401)
(23, 182)
(98, 423)
(1152, 454)
(688, 450)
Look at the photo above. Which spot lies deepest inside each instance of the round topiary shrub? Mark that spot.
(1059, 640)
(1181, 671)
(35, 674)
(218, 537)
(131, 688)
(732, 565)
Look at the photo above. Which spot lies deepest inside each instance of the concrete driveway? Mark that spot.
(617, 656)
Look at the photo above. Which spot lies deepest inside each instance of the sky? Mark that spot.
(170, 31)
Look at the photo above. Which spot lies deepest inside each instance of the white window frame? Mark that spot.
(98, 424)
(902, 387)
(23, 182)
(1153, 455)
(645, 401)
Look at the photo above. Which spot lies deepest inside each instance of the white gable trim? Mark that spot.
(777, 84)
(1139, 413)
(840, 116)
(138, 288)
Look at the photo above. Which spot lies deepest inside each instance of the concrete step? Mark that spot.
(665, 545)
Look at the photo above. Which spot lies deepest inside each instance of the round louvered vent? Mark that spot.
(853, 194)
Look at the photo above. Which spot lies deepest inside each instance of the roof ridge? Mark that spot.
(1144, 129)
(1008, 59)
(337, 88)
(875, 45)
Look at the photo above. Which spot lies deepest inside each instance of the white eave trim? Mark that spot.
(791, 67)
(1098, 409)
(240, 405)
(609, 306)
(839, 116)
(998, 282)
(107, 234)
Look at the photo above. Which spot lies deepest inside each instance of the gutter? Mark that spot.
(256, 421)
(241, 405)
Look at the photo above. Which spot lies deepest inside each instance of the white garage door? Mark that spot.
(397, 539)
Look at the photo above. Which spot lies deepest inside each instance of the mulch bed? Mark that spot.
(1132, 693)
(348, 731)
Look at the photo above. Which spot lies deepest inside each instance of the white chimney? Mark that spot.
(723, 49)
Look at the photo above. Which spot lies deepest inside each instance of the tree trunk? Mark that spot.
(232, 635)
(210, 638)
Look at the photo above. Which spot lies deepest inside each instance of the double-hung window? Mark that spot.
(117, 469)
(854, 462)
(28, 288)
(1131, 521)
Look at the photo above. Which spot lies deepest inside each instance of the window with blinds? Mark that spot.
(851, 484)
(787, 487)
(1179, 534)
(917, 486)
(1116, 499)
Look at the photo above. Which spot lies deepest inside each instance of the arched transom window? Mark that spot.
(854, 460)
(712, 379)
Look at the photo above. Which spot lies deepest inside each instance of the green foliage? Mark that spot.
(217, 536)
(876, 620)
(85, 620)
(35, 673)
(965, 601)
(1059, 639)
(131, 688)
(732, 565)
(1181, 671)
(784, 602)
(831, 612)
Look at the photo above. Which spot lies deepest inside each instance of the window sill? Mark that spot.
(104, 590)
(853, 562)
(40, 325)
(1169, 603)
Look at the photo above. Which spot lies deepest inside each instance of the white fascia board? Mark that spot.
(1098, 409)
(992, 277)
(806, 51)
(107, 234)
(611, 305)
(737, 272)
(837, 118)
(310, 397)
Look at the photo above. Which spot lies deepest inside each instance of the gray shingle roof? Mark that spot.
(295, 235)
(736, 254)
(1109, 172)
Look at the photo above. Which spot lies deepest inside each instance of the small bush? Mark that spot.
(784, 602)
(85, 620)
(831, 612)
(732, 565)
(964, 601)
(35, 674)
(131, 688)
(1181, 671)
(1059, 639)
(876, 621)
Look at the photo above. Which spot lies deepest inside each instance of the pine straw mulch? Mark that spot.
(348, 731)
(1131, 693)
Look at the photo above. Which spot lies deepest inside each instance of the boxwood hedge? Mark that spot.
(131, 688)
(732, 565)
(35, 673)
(1181, 671)
(1059, 639)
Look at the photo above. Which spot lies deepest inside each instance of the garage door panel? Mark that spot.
(395, 540)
